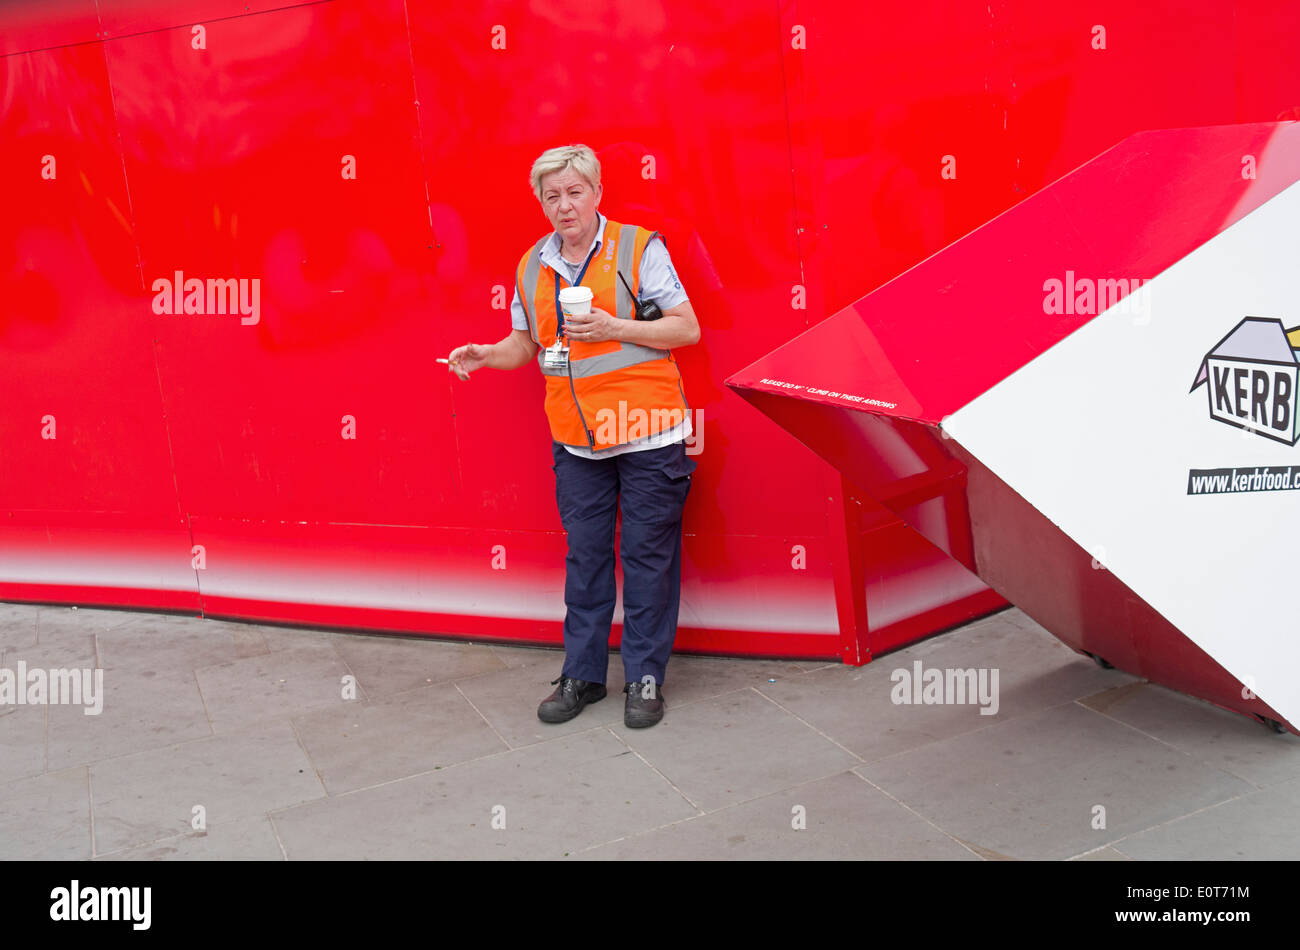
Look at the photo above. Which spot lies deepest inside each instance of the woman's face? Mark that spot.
(570, 203)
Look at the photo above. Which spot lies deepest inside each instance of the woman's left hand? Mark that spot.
(591, 327)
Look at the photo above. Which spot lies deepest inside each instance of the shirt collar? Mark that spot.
(551, 251)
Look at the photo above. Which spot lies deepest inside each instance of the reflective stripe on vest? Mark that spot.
(528, 285)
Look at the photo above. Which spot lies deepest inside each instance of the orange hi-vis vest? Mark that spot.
(612, 391)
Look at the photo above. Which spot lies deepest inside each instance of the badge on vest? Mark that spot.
(556, 355)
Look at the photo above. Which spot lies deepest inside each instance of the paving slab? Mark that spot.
(1259, 826)
(140, 711)
(734, 747)
(514, 657)
(843, 818)
(277, 685)
(1029, 787)
(161, 644)
(55, 622)
(369, 743)
(1104, 854)
(46, 817)
(691, 678)
(388, 665)
(65, 653)
(22, 742)
(1225, 739)
(279, 638)
(856, 707)
(552, 800)
(245, 839)
(151, 795)
(17, 626)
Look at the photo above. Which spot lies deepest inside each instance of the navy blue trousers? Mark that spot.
(651, 488)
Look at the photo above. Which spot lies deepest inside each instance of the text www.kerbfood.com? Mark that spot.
(1217, 481)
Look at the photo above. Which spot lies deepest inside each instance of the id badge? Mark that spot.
(557, 356)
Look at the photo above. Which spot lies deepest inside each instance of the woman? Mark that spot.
(618, 417)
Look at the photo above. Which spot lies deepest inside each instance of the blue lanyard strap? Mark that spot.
(559, 314)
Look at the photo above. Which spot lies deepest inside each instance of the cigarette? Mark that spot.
(441, 360)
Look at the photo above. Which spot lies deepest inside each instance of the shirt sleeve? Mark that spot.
(659, 281)
(518, 319)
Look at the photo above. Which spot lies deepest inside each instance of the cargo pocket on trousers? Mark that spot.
(678, 471)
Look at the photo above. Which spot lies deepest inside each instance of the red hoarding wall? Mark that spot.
(366, 163)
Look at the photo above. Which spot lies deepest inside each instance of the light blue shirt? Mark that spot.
(658, 281)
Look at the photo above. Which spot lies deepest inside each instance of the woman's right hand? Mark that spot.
(465, 359)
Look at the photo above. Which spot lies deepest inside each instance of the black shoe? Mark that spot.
(639, 711)
(567, 701)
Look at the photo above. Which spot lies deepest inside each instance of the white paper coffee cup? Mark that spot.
(575, 300)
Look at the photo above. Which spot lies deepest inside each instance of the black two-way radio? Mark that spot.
(645, 309)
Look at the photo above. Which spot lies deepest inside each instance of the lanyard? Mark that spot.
(559, 314)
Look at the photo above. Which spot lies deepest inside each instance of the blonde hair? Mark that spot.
(578, 157)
